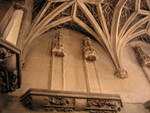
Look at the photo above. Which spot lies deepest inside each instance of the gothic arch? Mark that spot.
(113, 23)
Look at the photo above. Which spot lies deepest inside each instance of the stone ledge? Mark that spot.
(46, 100)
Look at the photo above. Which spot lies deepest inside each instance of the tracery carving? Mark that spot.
(58, 46)
(144, 5)
(127, 11)
(142, 57)
(121, 20)
(83, 17)
(108, 7)
(142, 27)
(88, 51)
(138, 17)
(38, 4)
(65, 13)
(52, 7)
(144, 38)
(74, 26)
(93, 9)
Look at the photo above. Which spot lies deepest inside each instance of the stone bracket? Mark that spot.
(37, 99)
(10, 71)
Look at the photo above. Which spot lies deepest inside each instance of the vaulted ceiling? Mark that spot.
(113, 23)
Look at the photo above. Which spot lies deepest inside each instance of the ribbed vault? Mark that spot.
(113, 23)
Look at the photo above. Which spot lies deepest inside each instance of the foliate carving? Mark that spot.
(9, 69)
(143, 58)
(70, 101)
(121, 73)
(88, 51)
(62, 103)
(7, 59)
(58, 46)
(104, 104)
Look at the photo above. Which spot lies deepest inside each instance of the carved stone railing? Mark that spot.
(58, 46)
(36, 99)
(147, 105)
(10, 73)
(88, 51)
(142, 57)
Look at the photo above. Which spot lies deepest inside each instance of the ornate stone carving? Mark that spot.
(121, 73)
(142, 57)
(104, 104)
(61, 101)
(58, 46)
(66, 104)
(9, 68)
(70, 101)
(103, 26)
(88, 51)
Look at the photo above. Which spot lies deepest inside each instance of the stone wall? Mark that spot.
(70, 73)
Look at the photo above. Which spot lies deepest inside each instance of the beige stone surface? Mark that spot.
(37, 70)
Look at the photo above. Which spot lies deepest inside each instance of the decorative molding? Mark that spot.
(46, 100)
(58, 46)
(88, 51)
(142, 57)
(10, 73)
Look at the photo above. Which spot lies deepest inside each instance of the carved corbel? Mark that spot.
(88, 51)
(121, 73)
(58, 46)
(10, 74)
(142, 57)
